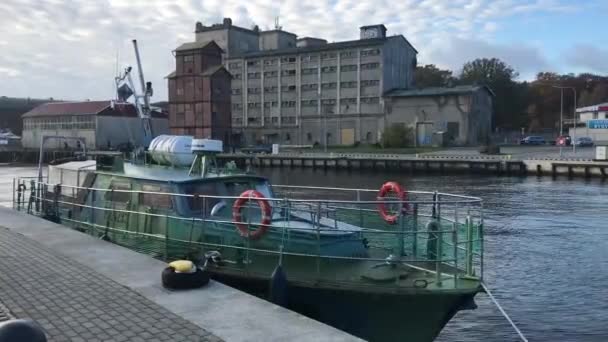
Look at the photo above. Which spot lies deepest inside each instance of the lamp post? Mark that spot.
(561, 114)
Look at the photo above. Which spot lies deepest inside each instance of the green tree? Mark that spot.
(397, 135)
(510, 101)
(431, 76)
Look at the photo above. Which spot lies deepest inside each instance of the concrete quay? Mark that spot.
(514, 161)
(79, 288)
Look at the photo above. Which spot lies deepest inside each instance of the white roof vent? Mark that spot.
(207, 145)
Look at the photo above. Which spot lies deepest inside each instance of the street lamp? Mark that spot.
(562, 111)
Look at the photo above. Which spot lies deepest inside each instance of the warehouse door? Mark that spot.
(347, 136)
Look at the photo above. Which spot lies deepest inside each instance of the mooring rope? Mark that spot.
(504, 313)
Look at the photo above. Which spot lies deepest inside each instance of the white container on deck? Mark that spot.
(601, 153)
(172, 150)
(275, 148)
(207, 145)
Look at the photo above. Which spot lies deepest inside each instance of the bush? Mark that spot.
(397, 135)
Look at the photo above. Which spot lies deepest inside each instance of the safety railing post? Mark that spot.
(469, 253)
(318, 240)
(13, 204)
(438, 256)
(401, 234)
(360, 211)
(455, 250)
(415, 232)
(166, 236)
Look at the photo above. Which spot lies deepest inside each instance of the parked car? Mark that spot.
(563, 140)
(583, 141)
(262, 149)
(532, 140)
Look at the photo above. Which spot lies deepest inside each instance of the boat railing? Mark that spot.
(439, 233)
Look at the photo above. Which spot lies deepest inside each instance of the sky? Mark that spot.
(71, 49)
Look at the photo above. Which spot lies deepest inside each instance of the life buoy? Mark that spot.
(387, 188)
(266, 214)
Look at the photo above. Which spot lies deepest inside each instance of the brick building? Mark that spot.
(199, 92)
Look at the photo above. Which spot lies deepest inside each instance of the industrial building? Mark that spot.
(592, 122)
(303, 91)
(103, 124)
(199, 92)
(458, 114)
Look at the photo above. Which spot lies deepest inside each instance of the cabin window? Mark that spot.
(156, 200)
(118, 196)
(198, 202)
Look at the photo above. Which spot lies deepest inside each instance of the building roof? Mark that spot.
(103, 108)
(595, 108)
(318, 48)
(212, 70)
(197, 45)
(437, 91)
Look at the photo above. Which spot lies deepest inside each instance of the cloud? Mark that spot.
(586, 56)
(68, 48)
(525, 59)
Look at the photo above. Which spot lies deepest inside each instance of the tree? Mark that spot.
(510, 101)
(431, 76)
(397, 135)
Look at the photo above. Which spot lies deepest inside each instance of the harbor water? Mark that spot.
(546, 249)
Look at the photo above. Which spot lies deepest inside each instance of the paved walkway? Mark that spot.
(74, 303)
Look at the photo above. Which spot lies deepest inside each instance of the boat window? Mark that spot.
(118, 196)
(202, 189)
(156, 201)
(235, 188)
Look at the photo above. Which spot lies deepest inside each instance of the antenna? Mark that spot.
(276, 24)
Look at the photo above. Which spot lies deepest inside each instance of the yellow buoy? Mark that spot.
(183, 266)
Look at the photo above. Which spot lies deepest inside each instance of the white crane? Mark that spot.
(143, 109)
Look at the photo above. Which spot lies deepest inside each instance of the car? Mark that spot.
(583, 141)
(563, 140)
(532, 140)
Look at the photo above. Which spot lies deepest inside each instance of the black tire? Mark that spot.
(182, 281)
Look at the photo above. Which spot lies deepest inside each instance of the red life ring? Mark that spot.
(401, 196)
(266, 214)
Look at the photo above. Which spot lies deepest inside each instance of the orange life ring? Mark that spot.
(243, 228)
(401, 195)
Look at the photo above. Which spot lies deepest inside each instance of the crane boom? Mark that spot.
(144, 89)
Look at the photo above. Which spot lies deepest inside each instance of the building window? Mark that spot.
(352, 84)
(310, 58)
(350, 67)
(179, 119)
(370, 52)
(237, 76)
(234, 65)
(369, 83)
(269, 104)
(253, 90)
(180, 91)
(274, 120)
(313, 86)
(270, 73)
(328, 69)
(272, 89)
(309, 71)
(287, 137)
(288, 60)
(309, 137)
(270, 61)
(237, 106)
(330, 85)
(288, 103)
(347, 54)
(253, 75)
(328, 101)
(288, 72)
(309, 103)
(253, 63)
(370, 100)
(188, 59)
(370, 65)
(289, 88)
(236, 91)
(253, 120)
(289, 120)
(348, 101)
(253, 105)
(328, 55)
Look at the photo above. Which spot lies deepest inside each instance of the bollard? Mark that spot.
(19, 330)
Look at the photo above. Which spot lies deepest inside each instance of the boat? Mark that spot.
(382, 264)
